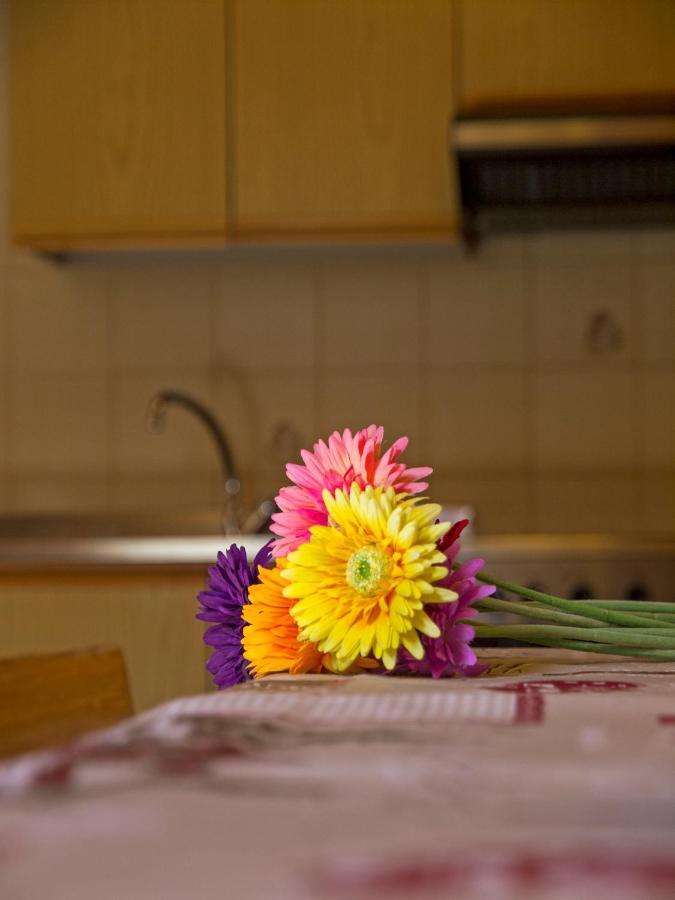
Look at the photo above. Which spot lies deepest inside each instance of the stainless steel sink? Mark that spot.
(183, 537)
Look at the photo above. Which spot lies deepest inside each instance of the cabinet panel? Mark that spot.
(149, 616)
(118, 118)
(529, 51)
(339, 113)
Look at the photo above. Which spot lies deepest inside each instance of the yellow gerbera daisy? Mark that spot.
(270, 639)
(362, 581)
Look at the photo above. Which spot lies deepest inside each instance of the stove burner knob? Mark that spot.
(582, 591)
(637, 591)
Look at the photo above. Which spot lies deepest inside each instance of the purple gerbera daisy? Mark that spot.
(451, 653)
(222, 603)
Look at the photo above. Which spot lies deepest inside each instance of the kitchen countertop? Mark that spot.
(72, 542)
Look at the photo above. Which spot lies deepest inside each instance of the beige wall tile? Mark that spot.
(656, 244)
(476, 313)
(160, 316)
(510, 249)
(184, 446)
(4, 343)
(268, 417)
(4, 432)
(656, 291)
(656, 504)
(57, 494)
(56, 316)
(264, 315)
(476, 421)
(4, 366)
(578, 248)
(236, 405)
(355, 400)
(4, 248)
(4, 437)
(583, 313)
(584, 420)
(129, 493)
(284, 411)
(500, 502)
(656, 437)
(590, 503)
(369, 314)
(4, 123)
(57, 422)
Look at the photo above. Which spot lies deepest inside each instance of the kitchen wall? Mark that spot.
(490, 363)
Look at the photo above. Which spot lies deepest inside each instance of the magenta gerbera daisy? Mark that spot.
(345, 460)
(451, 653)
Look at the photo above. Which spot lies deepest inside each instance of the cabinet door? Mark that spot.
(567, 52)
(149, 615)
(340, 113)
(118, 119)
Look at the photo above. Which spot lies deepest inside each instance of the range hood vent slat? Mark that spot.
(562, 171)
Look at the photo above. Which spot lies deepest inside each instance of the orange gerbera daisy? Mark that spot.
(270, 637)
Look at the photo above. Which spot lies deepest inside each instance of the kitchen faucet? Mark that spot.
(231, 484)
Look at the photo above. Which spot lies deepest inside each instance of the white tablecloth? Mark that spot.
(553, 779)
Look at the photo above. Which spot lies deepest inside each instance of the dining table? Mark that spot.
(551, 775)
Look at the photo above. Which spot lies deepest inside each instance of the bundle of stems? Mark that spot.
(620, 627)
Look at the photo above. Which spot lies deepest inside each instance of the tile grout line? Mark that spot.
(4, 375)
(423, 310)
(214, 296)
(637, 417)
(318, 275)
(8, 387)
(530, 371)
(109, 387)
(111, 294)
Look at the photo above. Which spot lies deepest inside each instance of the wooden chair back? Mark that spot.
(51, 698)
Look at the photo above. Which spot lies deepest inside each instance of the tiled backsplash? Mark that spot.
(485, 362)
(490, 363)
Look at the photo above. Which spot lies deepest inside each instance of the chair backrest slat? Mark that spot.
(51, 698)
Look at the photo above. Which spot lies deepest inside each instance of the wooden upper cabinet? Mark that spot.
(118, 120)
(339, 116)
(525, 53)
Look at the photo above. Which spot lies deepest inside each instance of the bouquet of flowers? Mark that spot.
(363, 575)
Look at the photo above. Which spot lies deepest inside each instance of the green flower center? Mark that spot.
(367, 569)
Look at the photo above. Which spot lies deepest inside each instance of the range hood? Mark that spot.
(538, 172)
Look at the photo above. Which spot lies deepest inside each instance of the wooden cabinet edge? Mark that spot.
(72, 243)
(241, 237)
(566, 104)
(340, 237)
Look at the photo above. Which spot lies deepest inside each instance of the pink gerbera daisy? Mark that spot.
(345, 460)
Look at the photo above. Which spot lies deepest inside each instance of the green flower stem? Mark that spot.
(656, 619)
(535, 611)
(645, 639)
(571, 606)
(657, 612)
(607, 649)
(641, 606)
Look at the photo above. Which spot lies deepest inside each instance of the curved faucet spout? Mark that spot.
(155, 421)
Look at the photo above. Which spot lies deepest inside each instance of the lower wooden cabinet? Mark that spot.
(149, 615)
